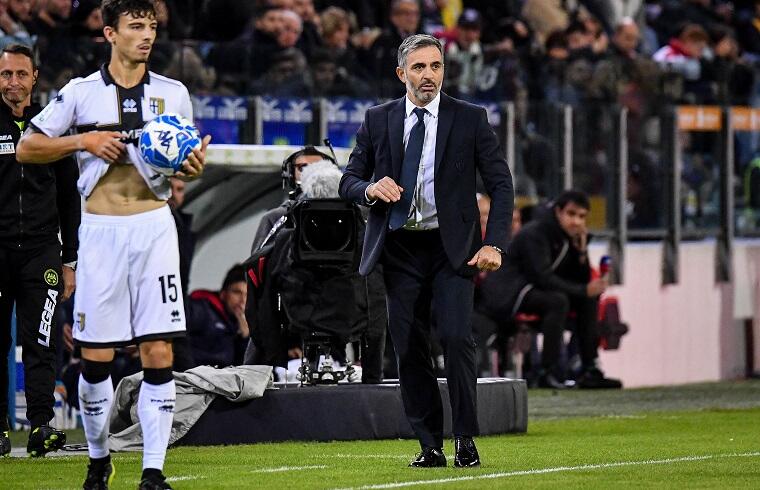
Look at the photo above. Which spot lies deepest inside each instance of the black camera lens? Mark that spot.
(328, 231)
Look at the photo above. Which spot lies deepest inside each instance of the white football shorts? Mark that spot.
(128, 286)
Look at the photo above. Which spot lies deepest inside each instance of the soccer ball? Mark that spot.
(166, 141)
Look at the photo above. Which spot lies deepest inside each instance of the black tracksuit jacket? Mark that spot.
(35, 200)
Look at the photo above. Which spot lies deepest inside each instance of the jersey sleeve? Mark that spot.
(186, 105)
(58, 116)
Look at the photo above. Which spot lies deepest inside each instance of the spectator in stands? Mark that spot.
(748, 30)
(290, 29)
(623, 76)
(284, 76)
(464, 56)
(92, 50)
(216, 326)
(734, 79)
(310, 37)
(15, 16)
(480, 72)
(682, 57)
(405, 19)
(336, 36)
(546, 272)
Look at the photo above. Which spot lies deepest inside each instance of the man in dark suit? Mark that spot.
(414, 164)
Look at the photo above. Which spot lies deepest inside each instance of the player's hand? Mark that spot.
(196, 161)
(486, 259)
(69, 282)
(104, 144)
(385, 190)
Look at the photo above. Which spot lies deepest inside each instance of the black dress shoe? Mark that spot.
(465, 453)
(430, 457)
(594, 379)
(548, 380)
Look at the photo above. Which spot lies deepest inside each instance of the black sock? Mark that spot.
(101, 461)
(148, 472)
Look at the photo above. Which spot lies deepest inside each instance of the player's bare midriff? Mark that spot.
(122, 192)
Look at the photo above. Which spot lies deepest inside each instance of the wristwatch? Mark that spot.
(501, 252)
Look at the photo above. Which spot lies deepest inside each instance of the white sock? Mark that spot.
(155, 408)
(95, 402)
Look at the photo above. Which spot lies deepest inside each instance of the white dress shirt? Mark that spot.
(423, 214)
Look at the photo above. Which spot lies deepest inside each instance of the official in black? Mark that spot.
(36, 272)
(415, 165)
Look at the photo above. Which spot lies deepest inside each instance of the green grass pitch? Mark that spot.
(695, 436)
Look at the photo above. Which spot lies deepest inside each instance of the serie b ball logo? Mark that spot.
(166, 142)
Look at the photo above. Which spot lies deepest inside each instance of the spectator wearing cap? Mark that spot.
(476, 71)
(464, 56)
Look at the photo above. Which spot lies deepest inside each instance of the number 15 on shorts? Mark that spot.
(169, 288)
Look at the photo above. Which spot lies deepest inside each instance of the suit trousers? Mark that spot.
(422, 287)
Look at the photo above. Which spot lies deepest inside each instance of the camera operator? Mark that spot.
(546, 272)
(365, 310)
(291, 180)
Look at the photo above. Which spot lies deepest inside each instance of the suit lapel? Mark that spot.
(396, 135)
(445, 120)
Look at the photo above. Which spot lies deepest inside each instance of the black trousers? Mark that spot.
(553, 307)
(421, 283)
(31, 279)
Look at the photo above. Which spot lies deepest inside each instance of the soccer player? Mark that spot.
(128, 276)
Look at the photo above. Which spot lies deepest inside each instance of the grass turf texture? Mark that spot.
(696, 436)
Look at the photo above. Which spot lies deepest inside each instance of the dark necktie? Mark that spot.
(409, 169)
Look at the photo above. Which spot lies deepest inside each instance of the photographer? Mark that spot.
(546, 272)
(291, 299)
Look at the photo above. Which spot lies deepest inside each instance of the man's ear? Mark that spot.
(35, 75)
(400, 74)
(109, 33)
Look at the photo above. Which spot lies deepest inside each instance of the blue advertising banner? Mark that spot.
(344, 116)
(285, 121)
(221, 117)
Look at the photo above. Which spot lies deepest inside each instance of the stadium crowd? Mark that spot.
(635, 53)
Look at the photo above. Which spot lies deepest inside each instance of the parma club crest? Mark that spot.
(157, 105)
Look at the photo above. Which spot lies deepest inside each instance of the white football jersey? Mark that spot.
(97, 103)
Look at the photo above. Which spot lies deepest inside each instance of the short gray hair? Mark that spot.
(415, 42)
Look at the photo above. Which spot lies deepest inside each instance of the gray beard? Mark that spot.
(425, 97)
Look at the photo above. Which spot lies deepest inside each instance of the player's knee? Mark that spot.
(156, 354)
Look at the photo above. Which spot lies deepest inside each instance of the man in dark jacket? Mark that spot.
(36, 202)
(546, 272)
(216, 324)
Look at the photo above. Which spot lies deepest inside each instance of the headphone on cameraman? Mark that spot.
(289, 164)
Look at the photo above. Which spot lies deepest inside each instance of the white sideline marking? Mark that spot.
(290, 468)
(365, 456)
(184, 478)
(557, 469)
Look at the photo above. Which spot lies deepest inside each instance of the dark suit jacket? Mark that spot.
(464, 142)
